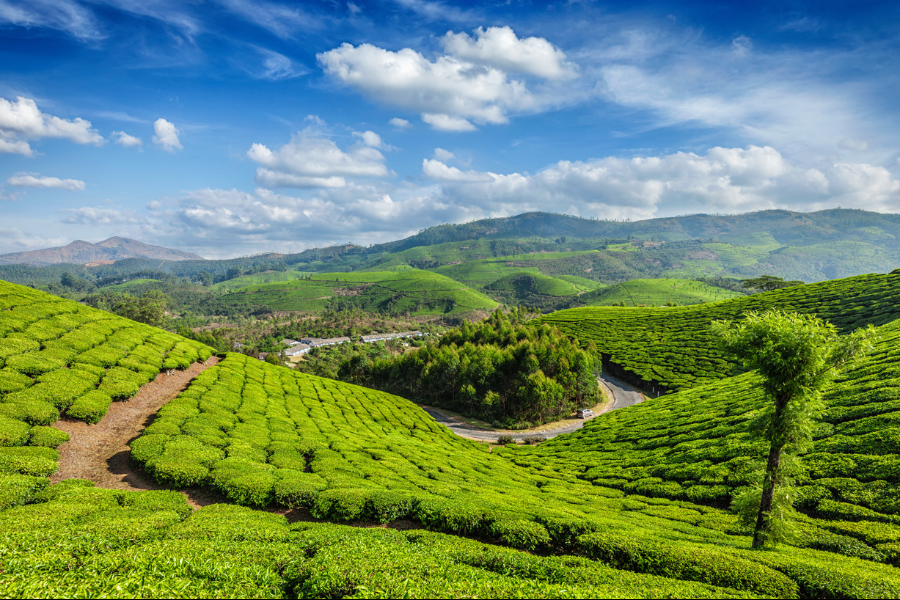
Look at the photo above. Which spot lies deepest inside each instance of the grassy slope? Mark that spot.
(257, 279)
(535, 284)
(262, 434)
(694, 445)
(422, 292)
(673, 347)
(656, 292)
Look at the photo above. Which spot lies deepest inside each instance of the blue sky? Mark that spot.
(229, 127)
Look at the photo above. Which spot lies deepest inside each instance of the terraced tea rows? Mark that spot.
(261, 434)
(673, 348)
(694, 446)
(58, 356)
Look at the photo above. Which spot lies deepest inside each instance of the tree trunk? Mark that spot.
(772, 466)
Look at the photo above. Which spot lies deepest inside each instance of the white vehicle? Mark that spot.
(584, 413)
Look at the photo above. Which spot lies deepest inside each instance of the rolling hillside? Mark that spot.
(694, 446)
(657, 292)
(673, 348)
(261, 435)
(413, 291)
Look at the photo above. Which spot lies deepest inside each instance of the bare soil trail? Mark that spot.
(101, 453)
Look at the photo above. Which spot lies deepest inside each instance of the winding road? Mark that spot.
(622, 394)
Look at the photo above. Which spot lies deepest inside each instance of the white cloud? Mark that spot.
(447, 123)
(741, 45)
(369, 138)
(278, 67)
(154, 205)
(450, 91)
(22, 120)
(399, 123)
(437, 170)
(353, 8)
(36, 181)
(279, 19)
(723, 180)
(443, 155)
(62, 15)
(310, 160)
(854, 144)
(166, 135)
(128, 141)
(499, 47)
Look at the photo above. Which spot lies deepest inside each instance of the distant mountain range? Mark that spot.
(81, 253)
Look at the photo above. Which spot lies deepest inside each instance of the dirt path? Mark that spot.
(622, 395)
(101, 453)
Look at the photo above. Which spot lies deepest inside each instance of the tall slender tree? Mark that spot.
(796, 356)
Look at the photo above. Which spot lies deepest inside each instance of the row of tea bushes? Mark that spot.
(57, 356)
(694, 446)
(262, 435)
(78, 541)
(673, 348)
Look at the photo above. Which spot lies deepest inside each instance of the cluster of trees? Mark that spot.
(768, 283)
(149, 308)
(501, 370)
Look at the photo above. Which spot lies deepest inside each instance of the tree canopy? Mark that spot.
(796, 355)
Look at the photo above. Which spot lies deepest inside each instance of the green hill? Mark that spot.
(694, 446)
(411, 291)
(657, 292)
(673, 348)
(237, 283)
(321, 450)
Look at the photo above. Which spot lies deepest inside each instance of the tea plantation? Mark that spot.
(59, 357)
(412, 291)
(673, 348)
(694, 446)
(459, 516)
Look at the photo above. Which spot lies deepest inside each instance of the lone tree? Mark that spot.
(767, 283)
(796, 355)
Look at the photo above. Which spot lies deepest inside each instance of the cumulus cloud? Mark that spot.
(723, 180)
(399, 123)
(36, 181)
(166, 135)
(443, 155)
(310, 160)
(437, 170)
(449, 92)
(854, 144)
(22, 120)
(128, 141)
(369, 138)
(447, 123)
(499, 47)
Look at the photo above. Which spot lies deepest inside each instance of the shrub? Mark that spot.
(34, 363)
(340, 504)
(505, 440)
(520, 533)
(148, 446)
(20, 489)
(13, 432)
(295, 489)
(13, 381)
(35, 412)
(27, 460)
(676, 560)
(91, 407)
(48, 437)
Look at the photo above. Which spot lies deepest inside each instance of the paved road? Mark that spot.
(623, 395)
